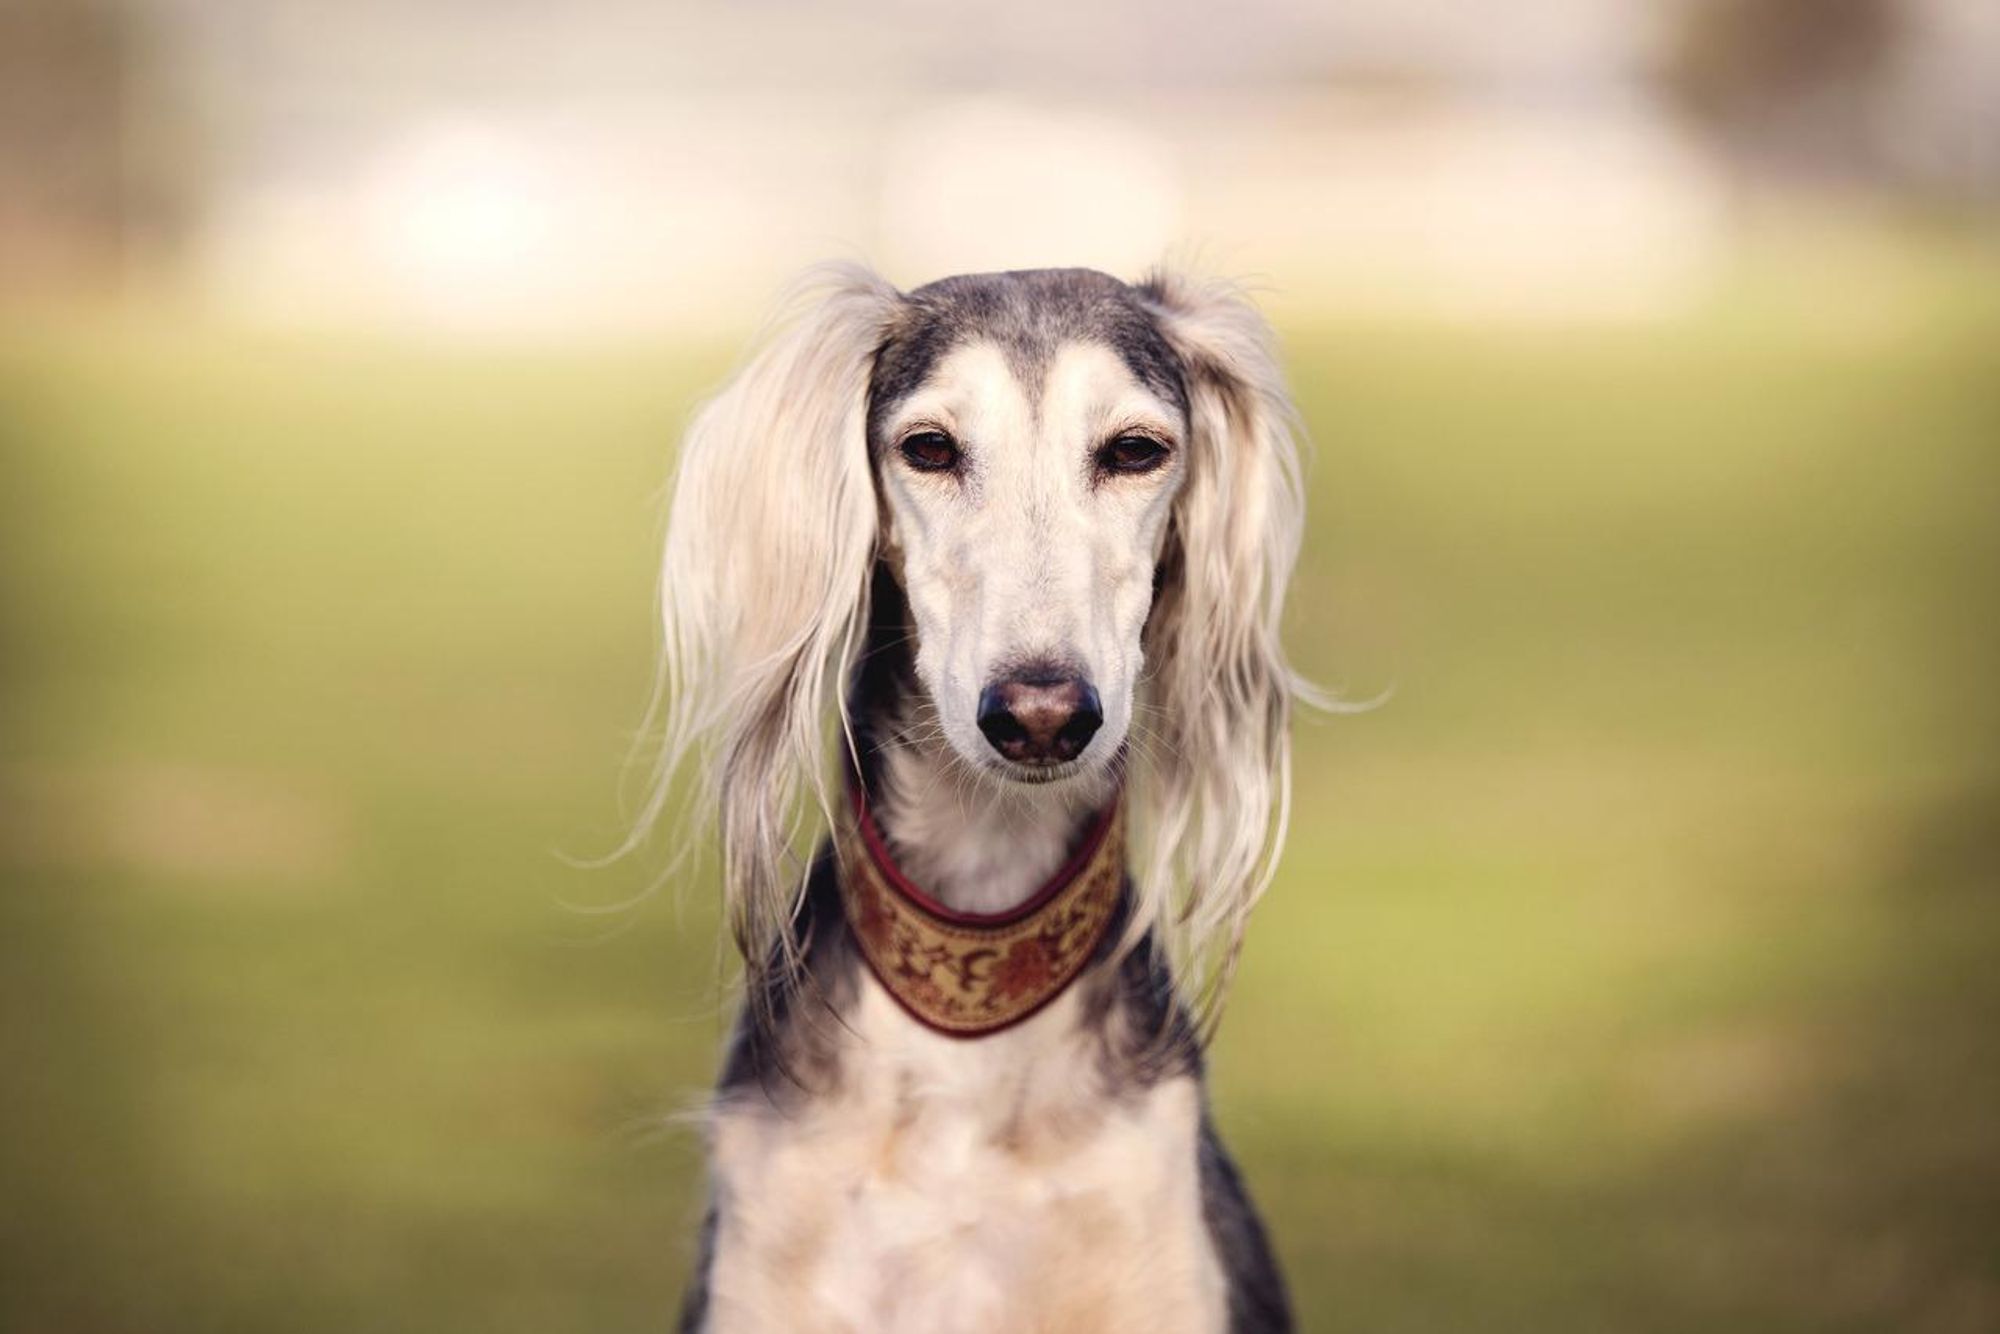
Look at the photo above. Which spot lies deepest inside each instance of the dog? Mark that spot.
(971, 601)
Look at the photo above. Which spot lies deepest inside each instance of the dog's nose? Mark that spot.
(1040, 717)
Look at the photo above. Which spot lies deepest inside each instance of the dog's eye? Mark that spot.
(930, 451)
(1132, 453)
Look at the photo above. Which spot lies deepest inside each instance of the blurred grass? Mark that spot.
(1632, 968)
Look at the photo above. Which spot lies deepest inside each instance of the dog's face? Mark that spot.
(1029, 435)
(1089, 494)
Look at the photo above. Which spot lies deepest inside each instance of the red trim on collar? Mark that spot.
(885, 861)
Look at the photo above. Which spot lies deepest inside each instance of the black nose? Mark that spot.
(1040, 717)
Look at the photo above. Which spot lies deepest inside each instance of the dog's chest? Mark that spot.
(959, 1187)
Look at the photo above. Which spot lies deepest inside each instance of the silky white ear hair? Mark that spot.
(764, 600)
(1213, 777)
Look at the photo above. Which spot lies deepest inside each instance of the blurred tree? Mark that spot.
(84, 187)
(1789, 86)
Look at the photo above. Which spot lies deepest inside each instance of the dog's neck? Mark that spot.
(974, 843)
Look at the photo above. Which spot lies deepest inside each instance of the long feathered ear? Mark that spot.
(1215, 777)
(764, 591)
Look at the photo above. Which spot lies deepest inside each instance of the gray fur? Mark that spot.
(1030, 313)
(1258, 1303)
(694, 1302)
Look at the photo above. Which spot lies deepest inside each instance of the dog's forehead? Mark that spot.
(1029, 315)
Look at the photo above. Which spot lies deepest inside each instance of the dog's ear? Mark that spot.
(764, 593)
(1217, 778)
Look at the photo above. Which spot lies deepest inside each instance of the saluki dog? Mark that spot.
(971, 602)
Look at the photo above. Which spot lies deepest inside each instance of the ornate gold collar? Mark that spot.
(970, 974)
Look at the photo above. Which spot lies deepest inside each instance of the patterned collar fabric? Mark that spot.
(970, 974)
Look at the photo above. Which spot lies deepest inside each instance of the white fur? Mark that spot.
(1217, 785)
(764, 597)
(952, 1187)
(971, 850)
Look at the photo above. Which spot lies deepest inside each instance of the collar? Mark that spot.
(970, 974)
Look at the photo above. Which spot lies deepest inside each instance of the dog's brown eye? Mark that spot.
(1132, 453)
(930, 451)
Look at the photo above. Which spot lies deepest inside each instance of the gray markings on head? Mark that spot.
(1029, 314)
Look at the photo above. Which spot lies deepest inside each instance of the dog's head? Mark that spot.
(1088, 495)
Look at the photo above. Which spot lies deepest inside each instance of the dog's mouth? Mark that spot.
(1095, 766)
(1037, 773)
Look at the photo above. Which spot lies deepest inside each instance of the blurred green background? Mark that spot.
(1635, 966)
(1631, 968)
